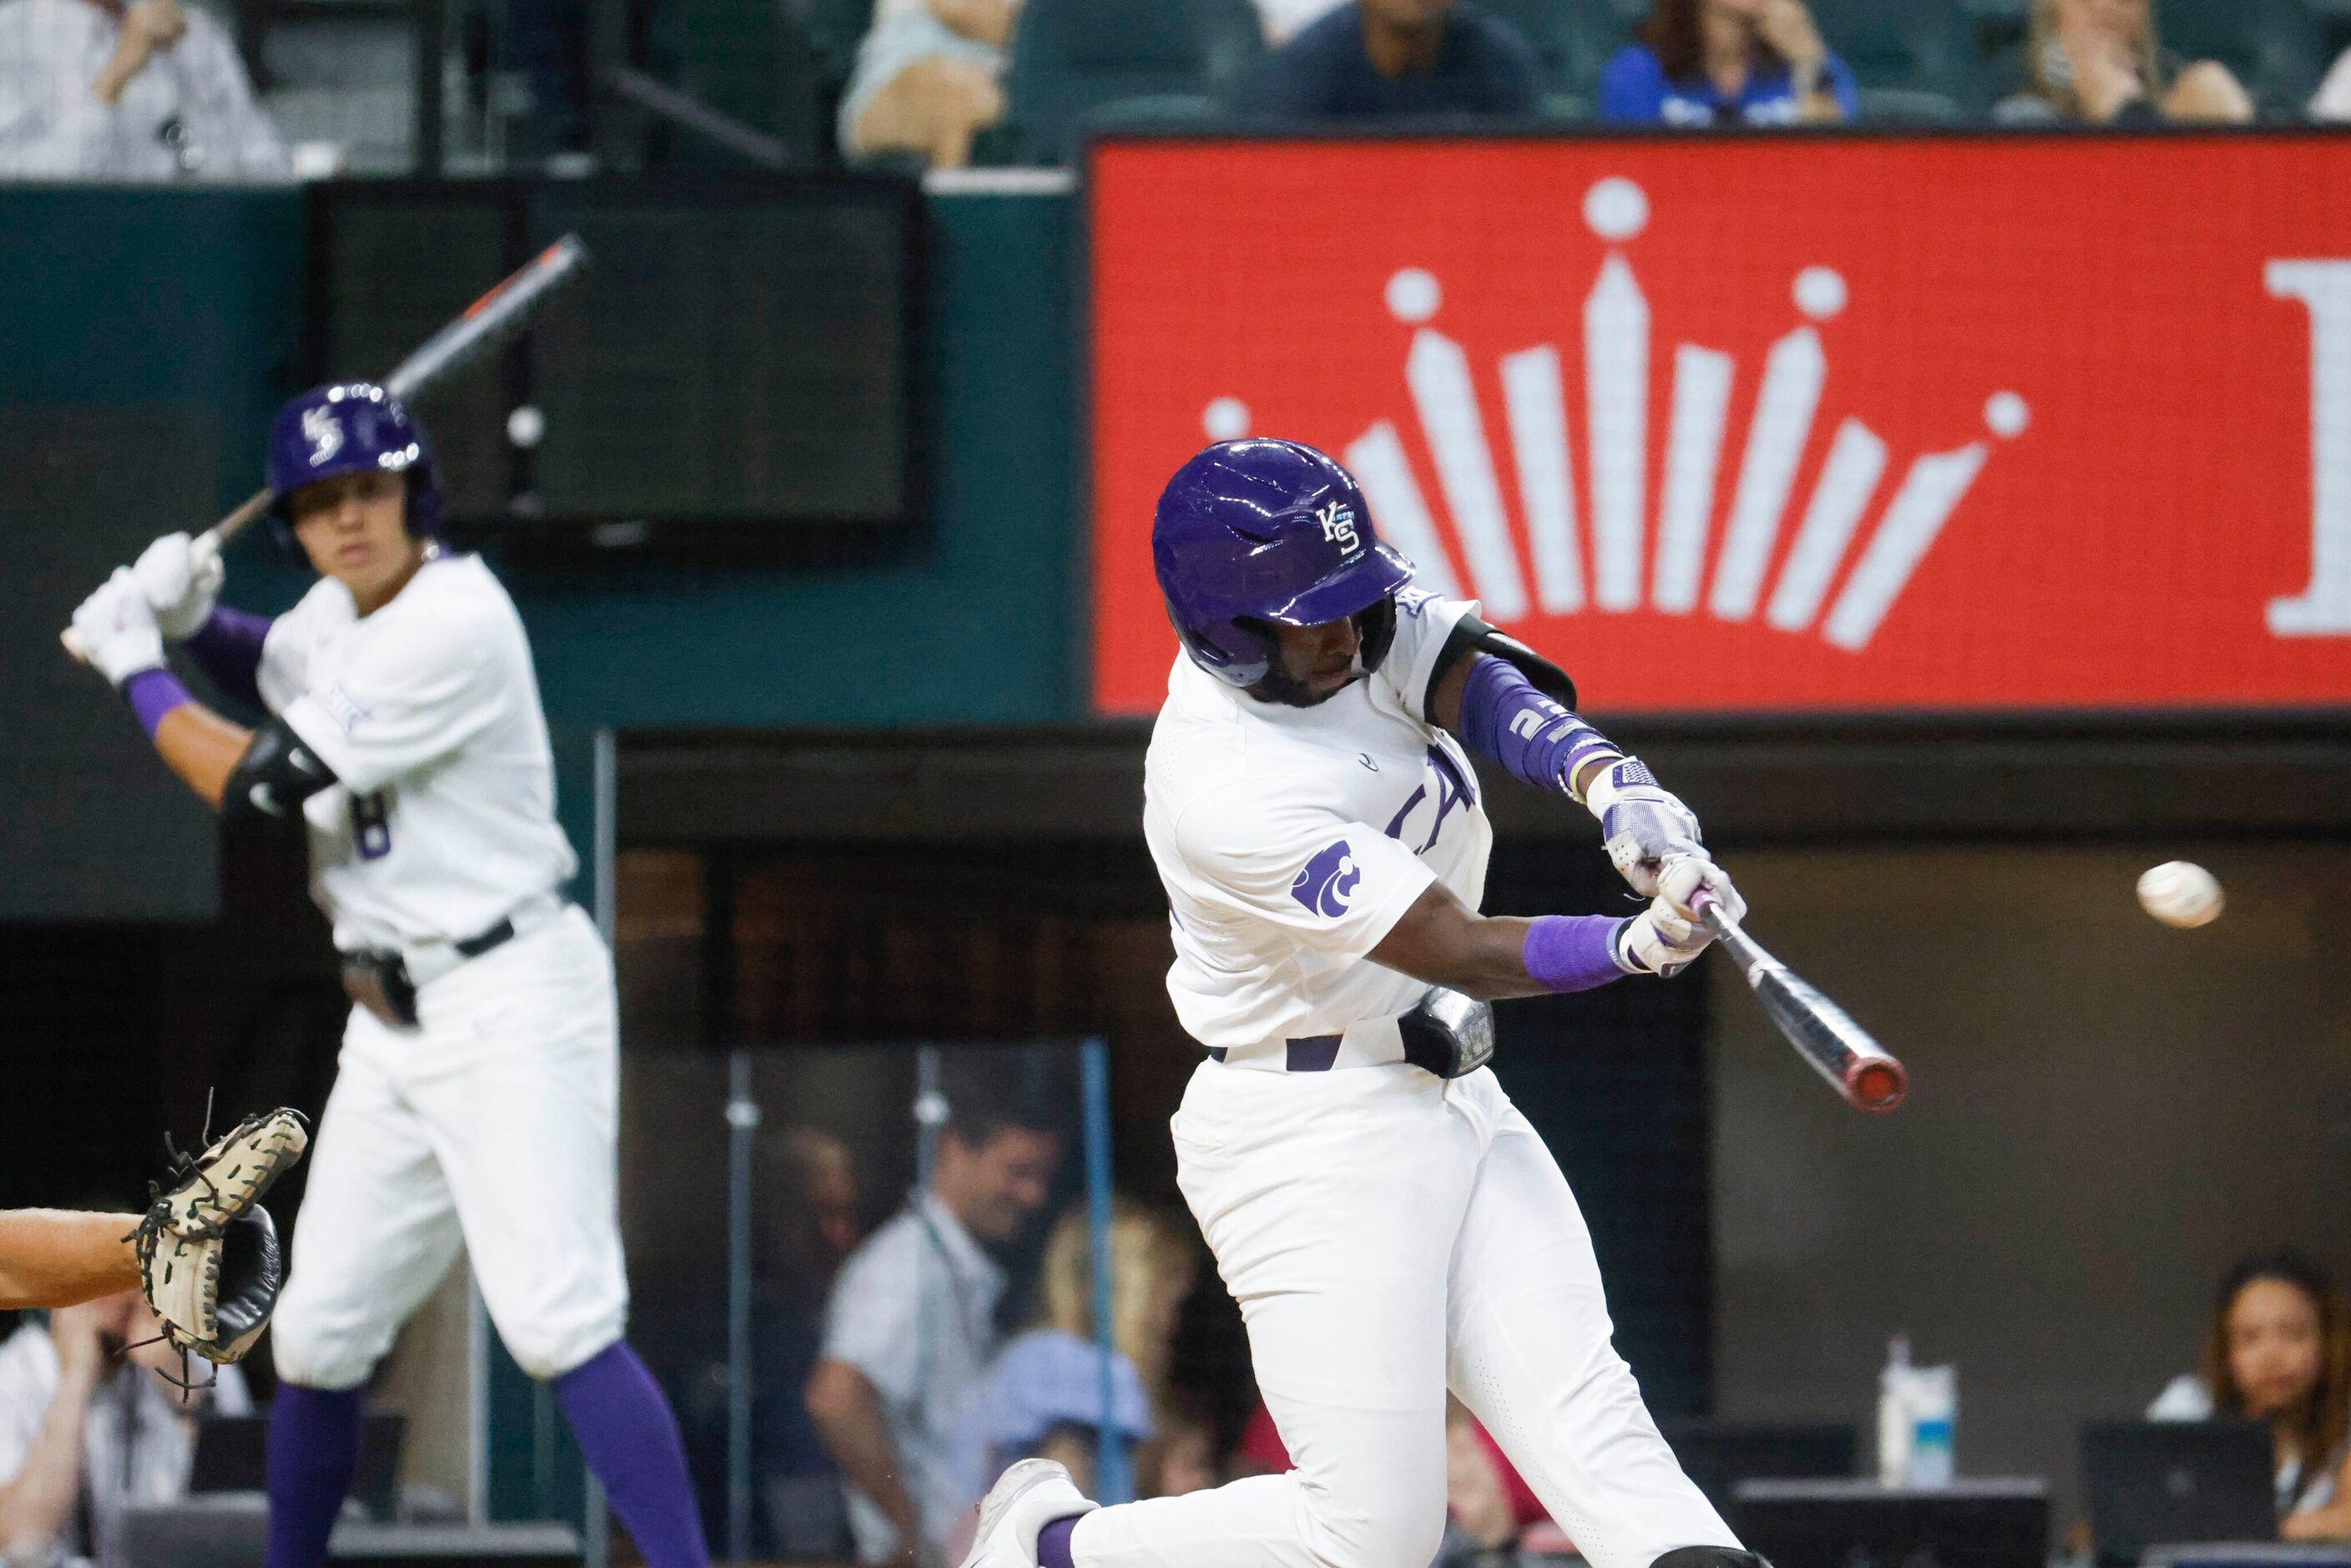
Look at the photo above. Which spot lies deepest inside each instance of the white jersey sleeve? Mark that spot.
(402, 701)
(1424, 624)
(1334, 886)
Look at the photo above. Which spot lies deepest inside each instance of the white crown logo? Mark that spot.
(1616, 394)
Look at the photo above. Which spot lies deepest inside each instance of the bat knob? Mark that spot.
(1877, 1083)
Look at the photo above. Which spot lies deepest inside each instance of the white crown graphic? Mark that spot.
(1617, 393)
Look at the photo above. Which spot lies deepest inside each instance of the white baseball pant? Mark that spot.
(494, 1124)
(1389, 1235)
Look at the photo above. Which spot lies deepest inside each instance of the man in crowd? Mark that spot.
(912, 1327)
(87, 1431)
(1373, 59)
(149, 90)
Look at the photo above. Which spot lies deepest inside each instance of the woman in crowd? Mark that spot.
(2280, 1352)
(1727, 62)
(1043, 1396)
(928, 79)
(2102, 62)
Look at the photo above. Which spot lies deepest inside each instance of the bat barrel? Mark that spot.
(1875, 1083)
(1862, 1072)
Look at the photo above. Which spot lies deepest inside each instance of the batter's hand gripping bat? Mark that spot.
(485, 324)
(1838, 1048)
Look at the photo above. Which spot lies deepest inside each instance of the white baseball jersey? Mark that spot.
(1291, 840)
(443, 821)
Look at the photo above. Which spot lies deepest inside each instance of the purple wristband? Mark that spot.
(152, 693)
(1573, 952)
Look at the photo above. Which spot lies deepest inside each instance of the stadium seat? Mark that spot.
(1069, 56)
(1575, 39)
(1908, 45)
(833, 27)
(1908, 106)
(2274, 46)
(746, 59)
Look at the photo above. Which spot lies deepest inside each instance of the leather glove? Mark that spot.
(181, 579)
(1644, 824)
(117, 629)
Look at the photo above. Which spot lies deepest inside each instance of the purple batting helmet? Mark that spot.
(345, 428)
(1256, 532)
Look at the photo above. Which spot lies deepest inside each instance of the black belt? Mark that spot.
(379, 980)
(497, 936)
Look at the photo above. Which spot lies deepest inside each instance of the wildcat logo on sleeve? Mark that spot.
(1327, 885)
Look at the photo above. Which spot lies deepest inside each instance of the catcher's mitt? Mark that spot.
(231, 1176)
(208, 1256)
(214, 1294)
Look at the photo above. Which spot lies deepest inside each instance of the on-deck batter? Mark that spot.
(477, 1098)
(1390, 1224)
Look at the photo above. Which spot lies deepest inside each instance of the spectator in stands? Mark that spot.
(2280, 1352)
(1373, 59)
(86, 1430)
(1285, 19)
(911, 1329)
(98, 90)
(2332, 103)
(928, 79)
(807, 1207)
(2102, 62)
(1043, 1396)
(1727, 62)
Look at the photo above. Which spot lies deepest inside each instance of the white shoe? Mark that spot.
(1024, 1498)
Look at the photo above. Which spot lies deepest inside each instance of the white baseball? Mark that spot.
(525, 426)
(2181, 893)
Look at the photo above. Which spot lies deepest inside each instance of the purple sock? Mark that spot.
(629, 1437)
(1053, 1542)
(314, 1452)
(1572, 952)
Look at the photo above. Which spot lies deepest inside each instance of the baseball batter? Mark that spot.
(476, 1094)
(1390, 1224)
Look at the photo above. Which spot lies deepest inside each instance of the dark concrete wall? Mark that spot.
(2105, 1114)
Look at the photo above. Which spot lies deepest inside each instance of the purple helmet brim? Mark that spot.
(1350, 592)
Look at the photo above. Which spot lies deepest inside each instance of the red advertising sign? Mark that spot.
(1770, 424)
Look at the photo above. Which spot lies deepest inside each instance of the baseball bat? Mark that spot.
(481, 326)
(1859, 1069)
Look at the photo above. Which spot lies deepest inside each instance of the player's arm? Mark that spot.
(55, 1258)
(232, 768)
(1508, 703)
(1445, 942)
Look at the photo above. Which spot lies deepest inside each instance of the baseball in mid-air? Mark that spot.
(525, 426)
(2180, 893)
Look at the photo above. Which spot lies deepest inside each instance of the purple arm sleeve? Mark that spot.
(228, 649)
(152, 693)
(1534, 739)
(1573, 952)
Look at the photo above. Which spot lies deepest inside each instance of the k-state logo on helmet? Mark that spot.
(1338, 520)
(324, 432)
(1328, 883)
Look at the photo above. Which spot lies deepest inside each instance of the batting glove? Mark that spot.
(1667, 938)
(116, 629)
(181, 579)
(1644, 824)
